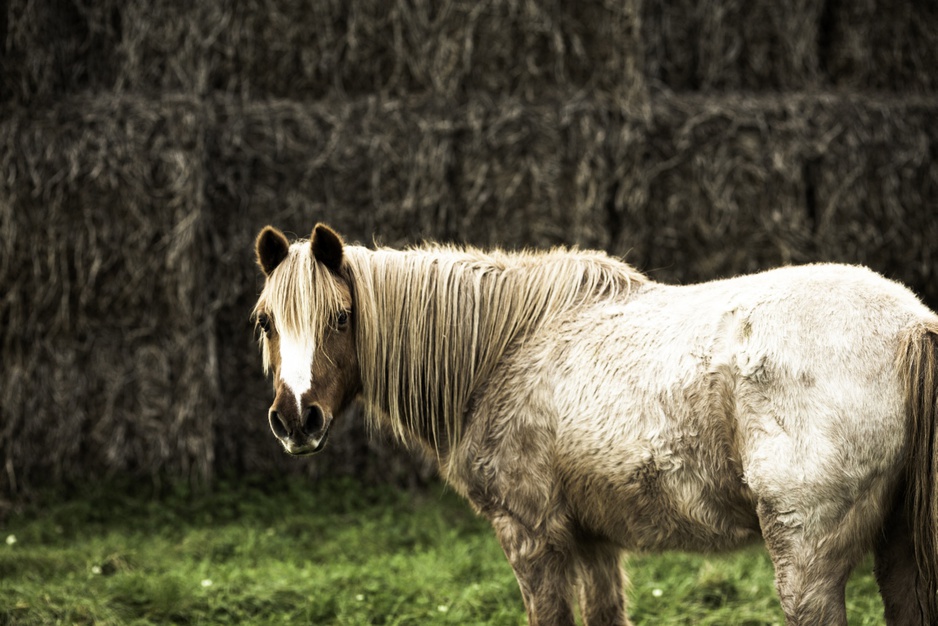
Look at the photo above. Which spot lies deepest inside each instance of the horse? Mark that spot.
(586, 410)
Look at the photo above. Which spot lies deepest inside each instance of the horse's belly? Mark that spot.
(652, 503)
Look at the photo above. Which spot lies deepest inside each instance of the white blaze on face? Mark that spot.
(296, 364)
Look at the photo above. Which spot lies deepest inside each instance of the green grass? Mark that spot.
(326, 554)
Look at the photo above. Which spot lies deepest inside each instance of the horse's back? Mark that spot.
(668, 418)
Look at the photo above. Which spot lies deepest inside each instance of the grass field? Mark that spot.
(326, 554)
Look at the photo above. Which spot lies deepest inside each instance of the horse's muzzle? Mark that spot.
(304, 435)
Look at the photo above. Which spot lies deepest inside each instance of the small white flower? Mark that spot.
(360, 597)
(11, 539)
(442, 608)
(657, 592)
(95, 569)
(207, 582)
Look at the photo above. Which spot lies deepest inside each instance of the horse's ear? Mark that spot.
(272, 248)
(327, 247)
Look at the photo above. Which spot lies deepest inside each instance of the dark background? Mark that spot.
(144, 143)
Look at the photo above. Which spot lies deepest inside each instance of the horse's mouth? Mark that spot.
(321, 444)
(307, 449)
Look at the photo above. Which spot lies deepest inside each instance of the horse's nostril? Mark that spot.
(313, 420)
(278, 425)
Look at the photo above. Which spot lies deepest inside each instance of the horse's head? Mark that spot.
(306, 318)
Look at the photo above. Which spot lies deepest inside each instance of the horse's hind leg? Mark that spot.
(897, 574)
(600, 584)
(811, 572)
(542, 566)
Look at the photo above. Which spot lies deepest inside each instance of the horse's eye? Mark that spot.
(263, 320)
(342, 319)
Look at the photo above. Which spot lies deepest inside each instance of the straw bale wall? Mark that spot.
(143, 144)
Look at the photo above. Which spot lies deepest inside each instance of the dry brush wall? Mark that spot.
(143, 144)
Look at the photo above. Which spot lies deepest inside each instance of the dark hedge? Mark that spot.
(307, 50)
(738, 184)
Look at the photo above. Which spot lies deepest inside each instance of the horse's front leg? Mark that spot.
(542, 567)
(601, 584)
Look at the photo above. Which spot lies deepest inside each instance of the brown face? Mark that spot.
(312, 382)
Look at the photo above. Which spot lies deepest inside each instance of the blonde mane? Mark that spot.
(298, 296)
(433, 322)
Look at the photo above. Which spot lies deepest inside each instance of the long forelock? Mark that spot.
(301, 296)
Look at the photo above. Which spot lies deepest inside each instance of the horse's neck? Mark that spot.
(434, 324)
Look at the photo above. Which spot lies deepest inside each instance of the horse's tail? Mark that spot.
(919, 364)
